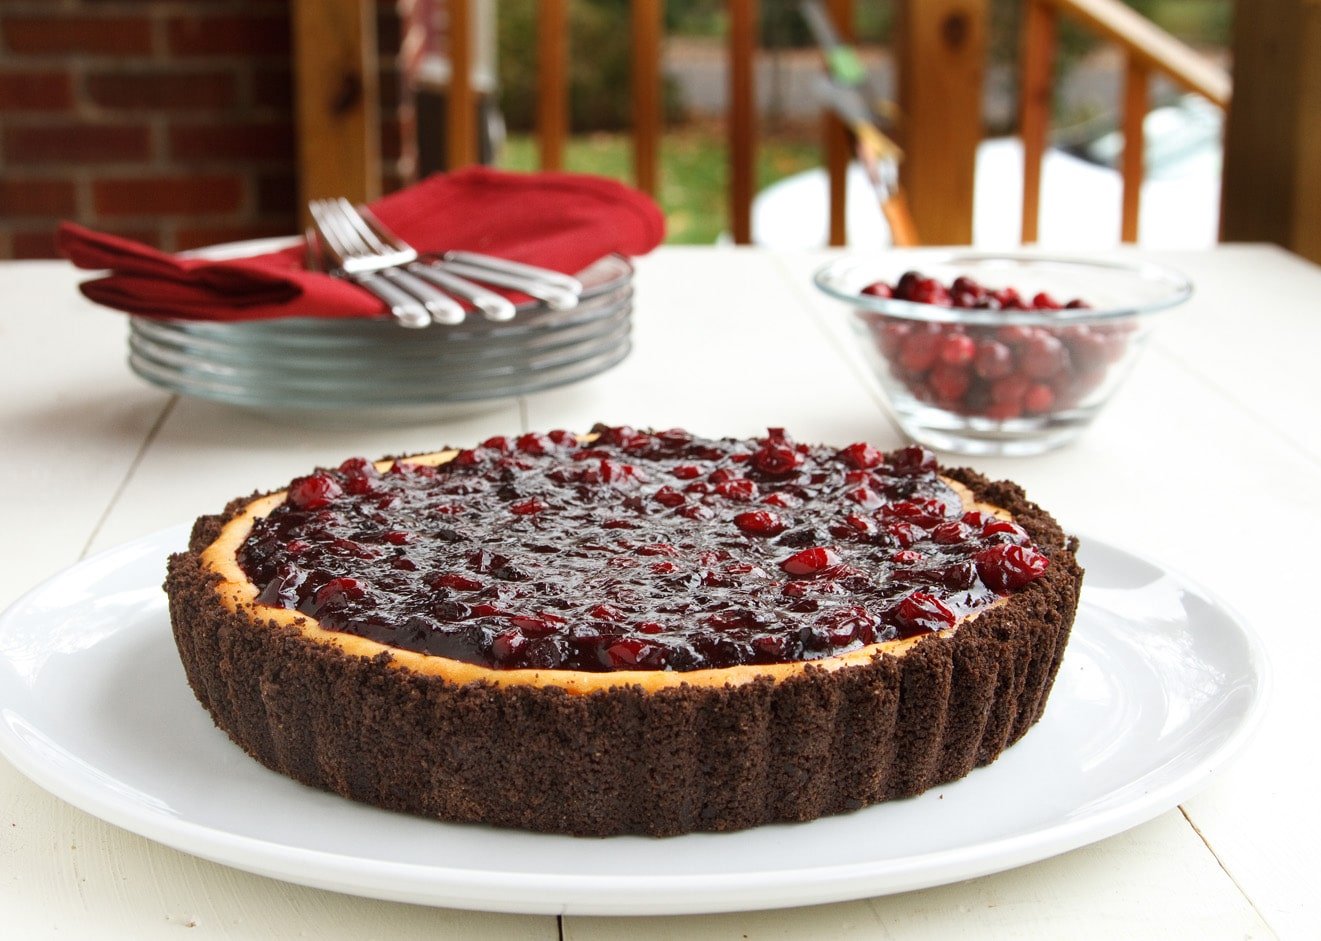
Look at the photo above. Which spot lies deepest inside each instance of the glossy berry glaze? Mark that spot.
(636, 551)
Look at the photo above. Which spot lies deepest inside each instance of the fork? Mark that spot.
(375, 267)
(461, 269)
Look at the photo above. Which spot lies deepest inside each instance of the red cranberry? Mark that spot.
(913, 459)
(919, 351)
(668, 496)
(776, 458)
(862, 456)
(993, 360)
(1038, 399)
(957, 349)
(458, 582)
(760, 523)
(1009, 567)
(920, 612)
(811, 561)
(686, 471)
(741, 490)
(879, 289)
(527, 507)
(314, 491)
(1042, 356)
(339, 591)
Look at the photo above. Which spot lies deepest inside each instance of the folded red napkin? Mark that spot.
(556, 220)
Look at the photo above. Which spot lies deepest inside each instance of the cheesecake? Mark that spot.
(629, 631)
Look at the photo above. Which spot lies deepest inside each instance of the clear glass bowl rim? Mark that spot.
(844, 278)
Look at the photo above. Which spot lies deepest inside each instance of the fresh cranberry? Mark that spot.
(920, 350)
(957, 349)
(879, 289)
(993, 360)
(1038, 399)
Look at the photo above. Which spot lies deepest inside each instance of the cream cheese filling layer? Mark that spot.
(239, 595)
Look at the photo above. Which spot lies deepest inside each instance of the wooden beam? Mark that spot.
(743, 15)
(1115, 21)
(1035, 100)
(461, 103)
(1272, 190)
(648, 119)
(552, 82)
(1137, 84)
(837, 140)
(942, 57)
(337, 100)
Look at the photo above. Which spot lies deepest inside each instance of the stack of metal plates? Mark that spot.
(330, 365)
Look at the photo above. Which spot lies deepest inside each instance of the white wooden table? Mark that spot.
(1215, 441)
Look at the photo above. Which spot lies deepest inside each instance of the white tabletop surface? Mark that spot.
(1209, 458)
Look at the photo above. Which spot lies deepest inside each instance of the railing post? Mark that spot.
(552, 82)
(1040, 31)
(742, 117)
(461, 116)
(647, 117)
(838, 152)
(1137, 82)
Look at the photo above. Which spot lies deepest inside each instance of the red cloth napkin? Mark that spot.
(555, 220)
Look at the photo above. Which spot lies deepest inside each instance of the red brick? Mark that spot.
(56, 35)
(35, 91)
(277, 194)
(77, 144)
(273, 89)
(38, 243)
(228, 36)
(167, 195)
(163, 90)
(37, 198)
(199, 236)
(252, 142)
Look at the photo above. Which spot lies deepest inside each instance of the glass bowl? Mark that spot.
(996, 379)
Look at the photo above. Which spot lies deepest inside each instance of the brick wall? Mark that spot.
(169, 121)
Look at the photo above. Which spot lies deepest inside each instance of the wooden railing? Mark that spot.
(941, 50)
(1147, 51)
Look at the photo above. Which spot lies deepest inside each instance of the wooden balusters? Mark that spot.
(836, 136)
(1137, 81)
(1036, 65)
(552, 82)
(743, 16)
(648, 119)
(1147, 50)
(461, 114)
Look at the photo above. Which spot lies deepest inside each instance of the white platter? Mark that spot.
(1160, 686)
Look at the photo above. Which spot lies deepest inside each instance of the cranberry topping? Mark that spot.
(637, 551)
(1000, 373)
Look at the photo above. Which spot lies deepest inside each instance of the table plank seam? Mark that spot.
(1226, 870)
(120, 489)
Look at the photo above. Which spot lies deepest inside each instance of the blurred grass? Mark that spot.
(693, 171)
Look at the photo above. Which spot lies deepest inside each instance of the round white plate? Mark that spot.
(1159, 687)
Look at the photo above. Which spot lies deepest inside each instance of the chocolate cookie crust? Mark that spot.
(625, 759)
